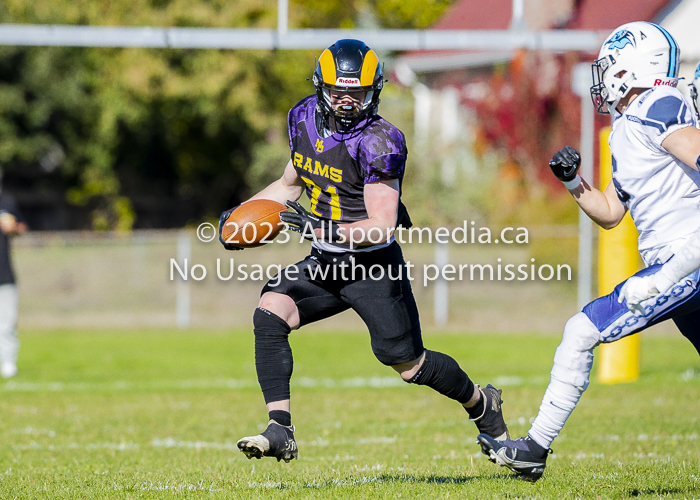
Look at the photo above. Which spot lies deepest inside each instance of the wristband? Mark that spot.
(573, 183)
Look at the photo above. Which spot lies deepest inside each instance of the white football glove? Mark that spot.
(636, 290)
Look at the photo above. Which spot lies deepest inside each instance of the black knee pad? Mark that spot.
(395, 351)
(273, 355)
(442, 373)
(385, 357)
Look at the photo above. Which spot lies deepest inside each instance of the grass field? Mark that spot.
(156, 414)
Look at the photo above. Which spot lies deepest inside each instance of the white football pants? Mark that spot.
(9, 305)
(606, 320)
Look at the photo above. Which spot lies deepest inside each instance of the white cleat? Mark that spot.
(8, 370)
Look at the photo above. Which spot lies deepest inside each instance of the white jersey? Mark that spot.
(661, 192)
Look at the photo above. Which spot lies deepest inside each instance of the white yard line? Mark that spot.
(307, 382)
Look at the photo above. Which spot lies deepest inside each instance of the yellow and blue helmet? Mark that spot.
(348, 66)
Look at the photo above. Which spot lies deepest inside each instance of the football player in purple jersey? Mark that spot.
(350, 162)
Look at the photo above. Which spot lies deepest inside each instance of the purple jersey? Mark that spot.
(336, 168)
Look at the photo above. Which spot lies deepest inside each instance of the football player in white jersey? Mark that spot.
(656, 156)
(694, 86)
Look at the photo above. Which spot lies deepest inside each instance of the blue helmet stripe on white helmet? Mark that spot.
(674, 61)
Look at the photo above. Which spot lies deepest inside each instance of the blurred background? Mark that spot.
(114, 153)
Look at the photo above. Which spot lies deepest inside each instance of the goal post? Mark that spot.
(618, 259)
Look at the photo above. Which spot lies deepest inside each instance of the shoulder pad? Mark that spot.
(665, 108)
(381, 138)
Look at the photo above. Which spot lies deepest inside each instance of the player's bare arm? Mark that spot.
(382, 203)
(603, 207)
(684, 144)
(288, 187)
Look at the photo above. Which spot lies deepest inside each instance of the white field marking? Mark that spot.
(613, 437)
(377, 440)
(356, 482)
(170, 442)
(351, 382)
(609, 475)
(336, 458)
(519, 381)
(526, 420)
(677, 437)
(13, 386)
(689, 375)
(333, 482)
(365, 468)
(266, 484)
(177, 487)
(656, 437)
(377, 382)
(319, 441)
(33, 431)
(111, 446)
(77, 446)
(307, 382)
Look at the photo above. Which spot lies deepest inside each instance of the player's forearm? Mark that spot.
(603, 208)
(372, 231)
(280, 192)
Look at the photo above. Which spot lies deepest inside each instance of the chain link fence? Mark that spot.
(100, 280)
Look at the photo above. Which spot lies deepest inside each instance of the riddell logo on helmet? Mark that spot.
(670, 83)
(348, 81)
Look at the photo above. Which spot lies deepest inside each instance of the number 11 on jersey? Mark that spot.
(333, 202)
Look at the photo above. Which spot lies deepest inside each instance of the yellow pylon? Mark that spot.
(618, 259)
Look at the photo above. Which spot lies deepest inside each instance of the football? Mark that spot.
(253, 224)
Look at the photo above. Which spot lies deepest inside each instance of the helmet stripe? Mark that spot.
(369, 69)
(674, 60)
(327, 67)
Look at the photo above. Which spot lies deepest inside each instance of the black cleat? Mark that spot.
(491, 421)
(275, 441)
(515, 455)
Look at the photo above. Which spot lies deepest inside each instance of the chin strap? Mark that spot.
(625, 86)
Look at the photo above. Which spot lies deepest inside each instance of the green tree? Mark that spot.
(166, 136)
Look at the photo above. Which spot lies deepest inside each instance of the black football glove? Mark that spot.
(305, 222)
(222, 220)
(565, 163)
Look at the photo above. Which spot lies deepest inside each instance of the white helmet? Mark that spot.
(636, 55)
(694, 91)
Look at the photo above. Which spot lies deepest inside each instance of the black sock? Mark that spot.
(478, 409)
(537, 450)
(281, 417)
